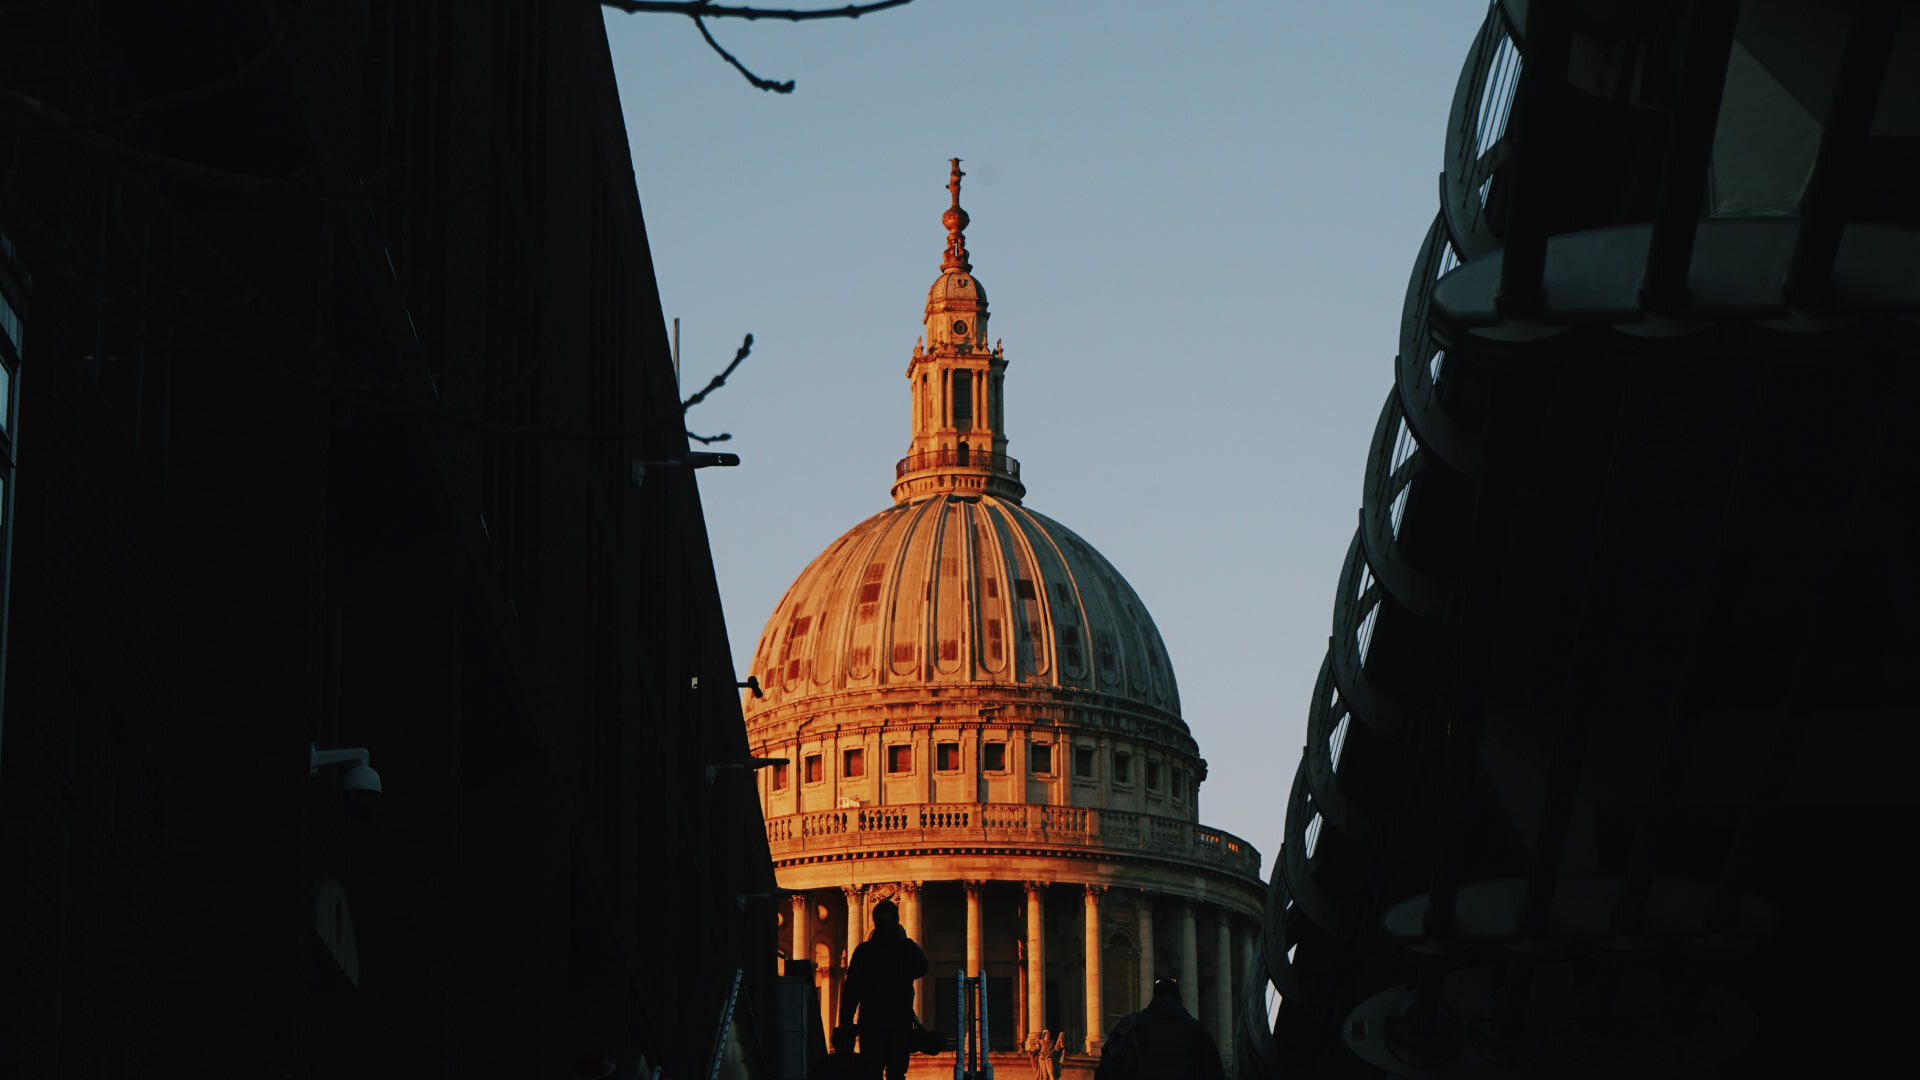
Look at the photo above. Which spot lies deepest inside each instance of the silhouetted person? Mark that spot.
(1160, 1042)
(880, 985)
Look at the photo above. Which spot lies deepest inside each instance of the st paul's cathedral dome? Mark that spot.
(979, 721)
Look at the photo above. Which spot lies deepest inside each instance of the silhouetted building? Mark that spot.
(1609, 767)
(331, 335)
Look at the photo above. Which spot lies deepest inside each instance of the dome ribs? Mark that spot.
(1069, 617)
(1035, 633)
(947, 644)
(907, 622)
(967, 592)
(993, 613)
(833, 644)
(865, 640)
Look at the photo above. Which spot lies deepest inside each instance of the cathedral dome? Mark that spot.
(961, 708)
(964, 591)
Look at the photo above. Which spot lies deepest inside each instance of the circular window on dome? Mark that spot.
(959, 326)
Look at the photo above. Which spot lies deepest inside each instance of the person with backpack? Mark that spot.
(1160, 1042)
(879, 987)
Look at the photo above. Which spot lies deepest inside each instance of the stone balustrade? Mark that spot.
(1012, 825)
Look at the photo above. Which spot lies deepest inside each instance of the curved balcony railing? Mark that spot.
(962, 457)
(1422, 368)
(1013, 825)
(1477, 146)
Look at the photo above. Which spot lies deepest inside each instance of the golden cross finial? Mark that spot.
(953, 180)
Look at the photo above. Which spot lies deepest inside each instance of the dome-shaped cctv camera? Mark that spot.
(362, 778)
(361, 789)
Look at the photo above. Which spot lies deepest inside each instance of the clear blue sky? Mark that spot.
(1195, 223)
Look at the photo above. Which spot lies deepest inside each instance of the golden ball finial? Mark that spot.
(955, 219)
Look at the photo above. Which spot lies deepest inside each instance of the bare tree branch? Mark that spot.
(763, 84)
(720, 380)
(703, 10)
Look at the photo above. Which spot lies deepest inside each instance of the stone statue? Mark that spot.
(1047, 1049)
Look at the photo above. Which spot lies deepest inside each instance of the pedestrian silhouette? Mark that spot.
(880, 987)
(1160, 1042)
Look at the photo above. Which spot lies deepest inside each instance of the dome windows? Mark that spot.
(1069, 639)
(993, 757)
(1040, 759)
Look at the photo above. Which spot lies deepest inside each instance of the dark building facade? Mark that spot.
(1609, 767)
(331, 334)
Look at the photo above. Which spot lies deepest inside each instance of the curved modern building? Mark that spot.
(981, 723)
(1608, 766)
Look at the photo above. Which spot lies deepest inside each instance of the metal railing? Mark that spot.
(983, 460)
(1010, 824)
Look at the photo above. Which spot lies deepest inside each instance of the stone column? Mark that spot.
(856, 931)
(1020, 990)
(1096, 1011)
(1189, 960)
(1146, 950)
(856, 917)
(1223, 985)
(976, 936)
(1036, 961)
(910, 922)
(799, 920)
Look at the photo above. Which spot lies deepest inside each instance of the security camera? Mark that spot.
(361, 784)
(362, 778)
(361, 787)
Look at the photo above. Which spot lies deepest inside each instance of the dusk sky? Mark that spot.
(1195, 224)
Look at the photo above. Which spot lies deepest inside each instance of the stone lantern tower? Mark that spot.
(982, 724)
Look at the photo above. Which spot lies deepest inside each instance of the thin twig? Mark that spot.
(720, 380)
(763, 84)
(702, 9)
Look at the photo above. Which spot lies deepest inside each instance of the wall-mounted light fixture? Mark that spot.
(693, 459)
(361, 784)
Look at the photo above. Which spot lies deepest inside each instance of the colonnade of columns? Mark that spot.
(1228, 960)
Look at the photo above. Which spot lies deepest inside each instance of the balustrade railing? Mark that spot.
(1010, 823)
(961, 456)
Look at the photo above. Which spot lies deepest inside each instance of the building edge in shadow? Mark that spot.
(1608, 767)
(331, 334)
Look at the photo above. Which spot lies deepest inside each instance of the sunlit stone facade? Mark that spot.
(981, 723)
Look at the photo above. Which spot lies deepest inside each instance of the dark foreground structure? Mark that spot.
(1610, 766)
(330, 336)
